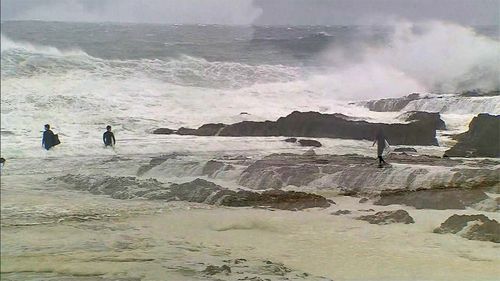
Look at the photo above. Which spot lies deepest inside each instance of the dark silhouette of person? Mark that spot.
(108, 137)
(48, 139)
(381, 142)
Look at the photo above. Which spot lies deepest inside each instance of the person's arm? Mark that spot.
(43, 139)
(104, 138)
(113, 137)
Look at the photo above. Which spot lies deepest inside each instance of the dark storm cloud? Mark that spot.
(272, 12)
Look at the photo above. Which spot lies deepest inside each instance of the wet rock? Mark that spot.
(432, 119)
(481, 140)
(341, 212)
(213, 269)
(472, 227)
(355, 174)
(438, 199)
(185, 131)
(209, 129)
(163, 131)
(305, 142)
(405, 149)
(388, 217)
(291, 140)
(363, 200)
(279, 199)
(314, 124)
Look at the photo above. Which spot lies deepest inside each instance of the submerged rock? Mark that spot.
(305, 142)
(291, 140)
(155, 161)
(256, 270)
(213, 167)
(213, 269)
(438, 199)
(472, 227)
(481, 140)
(388, 217)
(198, 190)
(341, 212)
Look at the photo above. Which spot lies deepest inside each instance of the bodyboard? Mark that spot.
(56, 140)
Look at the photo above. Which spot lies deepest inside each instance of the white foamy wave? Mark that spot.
(439, 57)
(25, 59)
(457, 105)
(8, 45)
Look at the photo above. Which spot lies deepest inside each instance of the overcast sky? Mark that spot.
(259, 12)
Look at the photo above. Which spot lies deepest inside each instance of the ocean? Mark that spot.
(80, 77)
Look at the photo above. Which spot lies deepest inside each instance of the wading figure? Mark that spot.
(108, 137)
(49, 139)
(381, 142)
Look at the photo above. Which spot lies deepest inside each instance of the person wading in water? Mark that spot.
(108, 137)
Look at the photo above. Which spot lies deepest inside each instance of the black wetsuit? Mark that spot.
(380, 147)
(108, 138)
(48, 139)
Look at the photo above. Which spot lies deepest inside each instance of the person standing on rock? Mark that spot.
(381, 142)
(108, 137)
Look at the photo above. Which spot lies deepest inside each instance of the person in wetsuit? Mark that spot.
(381, 142)
(108, 137)
(48, 138)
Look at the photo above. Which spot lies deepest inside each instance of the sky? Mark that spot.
(257, 12)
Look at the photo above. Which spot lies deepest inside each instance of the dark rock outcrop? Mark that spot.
(209, 129)
(314, 143)
(164, 131)
(432, 119)
(438, 199)
(291, 140)
(405, 149)
(388, 217)
(314, 124)
(472, 227)
(481, 140)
